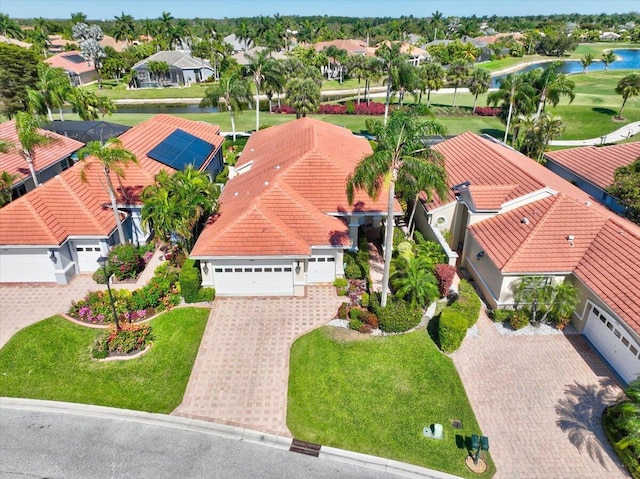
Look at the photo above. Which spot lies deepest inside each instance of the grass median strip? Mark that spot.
(51, 360)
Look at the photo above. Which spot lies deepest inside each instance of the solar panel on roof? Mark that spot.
(75, 58)
(180, 149)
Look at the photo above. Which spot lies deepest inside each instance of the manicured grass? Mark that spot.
(596, 49)
(51, 360)
(120, 91)
(374, 395)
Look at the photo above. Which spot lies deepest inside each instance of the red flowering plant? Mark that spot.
(131, 338)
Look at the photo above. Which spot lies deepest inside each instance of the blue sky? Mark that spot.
(106, 9)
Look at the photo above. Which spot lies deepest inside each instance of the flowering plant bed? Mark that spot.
(130, 339)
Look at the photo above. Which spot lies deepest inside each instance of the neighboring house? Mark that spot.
(352, 47)
(284, 221)
(591, 168)
(610, 36)
(58, 44)
(238, 45)
(61, 228)
(241, 56)
(510, 217)
(48, 160)
(13, 41)
(86, 131)
(416, 55)
(183, 69)
(80, 71)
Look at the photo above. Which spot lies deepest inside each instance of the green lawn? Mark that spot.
(51, 360)
(376, 394)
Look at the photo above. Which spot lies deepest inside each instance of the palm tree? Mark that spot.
(399, 154)
(90, 106)
(244, 33)
(261, 66)
(551, 84)
(436, 21)
(30, 137)
(124, 28)
(303, 95)
(389, 53)
(78, 17)
(478, 83)
(371, 73)
(112, 157)
(627, 417)
(513, 89)
(536, 132)
(457, 74)
(356, 66)
(10, 28)
(51, 90)
(628, 86)
(6, 180)
(586, 60)
(413, 281)
(608, 58)
(434, 75)
(234, 91)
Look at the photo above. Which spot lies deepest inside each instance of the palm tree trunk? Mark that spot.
(475, 102)
(455, 92)
(386, 103)
(233, 121)
(358, 91)
(413, 213)
(257, 107)
(543, 98)
(61, 114)
(49, 113)
(624, 100)
(114, 207)
(429, 98)
(506, 132)
(388, 244)
(27, 157)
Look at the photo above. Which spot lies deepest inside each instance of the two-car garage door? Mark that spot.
(614, 343)
(240, 280)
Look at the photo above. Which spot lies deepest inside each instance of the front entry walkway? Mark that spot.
(539, 399)
(241, 373)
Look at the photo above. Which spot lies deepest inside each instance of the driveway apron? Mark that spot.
(539, 399)
(240, 376)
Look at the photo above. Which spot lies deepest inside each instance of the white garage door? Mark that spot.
(614, 343)
(272, 280)
(26, 266)
(321, 269)
(88, 255)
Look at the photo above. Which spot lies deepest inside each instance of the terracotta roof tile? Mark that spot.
(63, 60)
(596, 164)
(44, 156)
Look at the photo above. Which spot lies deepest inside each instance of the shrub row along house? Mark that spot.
(511, 217)
(62, 227)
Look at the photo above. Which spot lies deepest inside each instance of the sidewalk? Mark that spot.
(623, 133)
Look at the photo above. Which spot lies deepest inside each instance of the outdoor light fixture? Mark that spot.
(205, 268)
(297, 267)
(480, 255)
(52, 256)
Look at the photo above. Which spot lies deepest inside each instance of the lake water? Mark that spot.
(629, 59)
(154, 109)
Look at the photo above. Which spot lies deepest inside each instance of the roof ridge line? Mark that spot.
(41, 222)
(79, 201)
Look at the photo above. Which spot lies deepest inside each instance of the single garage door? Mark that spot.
(26, 266)
(273, 280)
(88, 255)
(321, 269)
(614, 343)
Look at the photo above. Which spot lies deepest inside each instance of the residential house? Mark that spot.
(183, 69)
(86, 131)
(609, 37)
(241, 56)
(61, 228)
(591, 168)
(238, 45)
(48, 160)
(80, 71)
(510, 217)
(284, 221)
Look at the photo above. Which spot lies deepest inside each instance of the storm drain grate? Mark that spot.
(306, 448)
(456, 423)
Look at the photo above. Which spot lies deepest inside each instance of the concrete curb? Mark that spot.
(230, 432)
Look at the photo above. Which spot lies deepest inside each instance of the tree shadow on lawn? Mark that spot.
(494, 132)
(604, 111)
(580, 416)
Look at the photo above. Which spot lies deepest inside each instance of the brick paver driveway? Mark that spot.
(540, 400)
(240, 376)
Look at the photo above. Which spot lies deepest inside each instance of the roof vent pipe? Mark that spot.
(524, 221)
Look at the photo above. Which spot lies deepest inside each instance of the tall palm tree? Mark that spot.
(627, 417)
(10, 28)
(112, 157)
(78, 17)
(478, 83)
(233, 91)
(261, 66)
(389, 54)
(434, 75)
(244, 33)
(6, 180)
(399, 153)
(437, 21)
(303, 95)
(513, 89)
(371, 73)
(586, 60)
(356, 66)
(608, 58)
(628, 86)
(30, 136)
(551, 84)
(413, 281)
(535, 132)
(51, 90)
(124, 28)
(457, 74)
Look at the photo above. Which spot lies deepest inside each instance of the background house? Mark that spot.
(61, 228)
(183, 69)
(284, 220)
(80, 71)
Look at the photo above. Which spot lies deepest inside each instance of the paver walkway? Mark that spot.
(240, 376)
(539, 399)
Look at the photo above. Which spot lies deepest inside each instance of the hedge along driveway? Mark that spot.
(52, 360)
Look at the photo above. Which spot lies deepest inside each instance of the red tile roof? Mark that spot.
(282, 205)
(61, 60)
(596, 164)
(44, 156)
(353, 47)
(65, 206)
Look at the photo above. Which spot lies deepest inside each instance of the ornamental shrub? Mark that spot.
(350, 107)
(398, 317)
(354, 313)
(207, 294)
(487, 111)
(452, 328)
(519, 319)
(343, 311)
(500, 315)
(364, 300)
(125, 261)
(468, 303)
(131, 338)
(355, 324)
(340, 282)
(444, 274)
(190, 281)
(369, 318)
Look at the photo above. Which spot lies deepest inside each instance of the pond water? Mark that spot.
(153, 109)
(628, 59)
